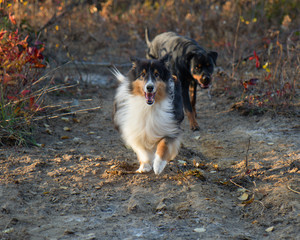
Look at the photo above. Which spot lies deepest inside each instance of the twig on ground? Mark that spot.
(48, 73)
(239, 185)
(289, 188)
(101, 64)
(59, 107)
(64, 114)
(246, 160)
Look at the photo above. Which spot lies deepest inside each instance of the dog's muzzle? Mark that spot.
(203, 80)
(150, 94)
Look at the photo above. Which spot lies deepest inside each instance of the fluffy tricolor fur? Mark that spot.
(148, 112)
(191, 64)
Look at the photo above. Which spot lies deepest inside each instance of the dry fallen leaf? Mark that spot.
(241, 190)
(182, 162)
(249, 201)
(243, 197)
(199, 230)
(75, 120)
(161, 206)
(48, 131)
(40, 144)
(270, 229)
(8, 230)
(198, 165)
(66, 119)
(196, 172)
(241, 205)
(216, 167)
(224, 182)
(64, 137)
(67, 129)
(77, 140)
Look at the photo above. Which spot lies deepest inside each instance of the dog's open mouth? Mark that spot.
(204, 83)
(204, 86)
(150, 98)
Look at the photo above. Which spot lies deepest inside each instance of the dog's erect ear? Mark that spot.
(214, 56)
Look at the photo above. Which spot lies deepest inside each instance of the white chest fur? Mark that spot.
(143, 124)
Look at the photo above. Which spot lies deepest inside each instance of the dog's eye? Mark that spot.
(143, 74)
(156, 73)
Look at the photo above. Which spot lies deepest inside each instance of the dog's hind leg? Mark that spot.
(167, 149)
(144, 158)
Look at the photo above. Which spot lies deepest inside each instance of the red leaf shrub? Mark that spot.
(19, 63)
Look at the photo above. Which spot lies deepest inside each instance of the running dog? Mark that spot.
(148, 111)
(191, 64)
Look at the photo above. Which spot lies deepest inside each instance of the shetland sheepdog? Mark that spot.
(148, 111)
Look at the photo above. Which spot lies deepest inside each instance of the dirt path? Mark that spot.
(82, 184)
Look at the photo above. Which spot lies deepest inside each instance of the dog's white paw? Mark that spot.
(159, 165)
(144, 167)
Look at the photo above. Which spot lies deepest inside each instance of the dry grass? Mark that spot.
(111, 31)
(114, 30)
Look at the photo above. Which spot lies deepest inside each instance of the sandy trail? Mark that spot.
(85, 186)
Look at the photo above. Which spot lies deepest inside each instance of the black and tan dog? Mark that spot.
(190, 63)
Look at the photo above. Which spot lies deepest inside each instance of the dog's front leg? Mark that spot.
(144, 158)
(188, 108)
(193, 96)
(167, 149)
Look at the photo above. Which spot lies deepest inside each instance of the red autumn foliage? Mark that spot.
(257, 63)
(19, 63)
(250, 82)
(12, 19)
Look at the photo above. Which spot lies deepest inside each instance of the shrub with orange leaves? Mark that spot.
(19, 70)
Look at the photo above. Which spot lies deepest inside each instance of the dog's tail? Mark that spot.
(119, 76)
(147, 37)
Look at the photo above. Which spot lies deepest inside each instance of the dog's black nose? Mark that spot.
(150, 88)
(206, 79)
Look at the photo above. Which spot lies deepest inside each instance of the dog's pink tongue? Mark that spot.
(150, 98)
(204, 86)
